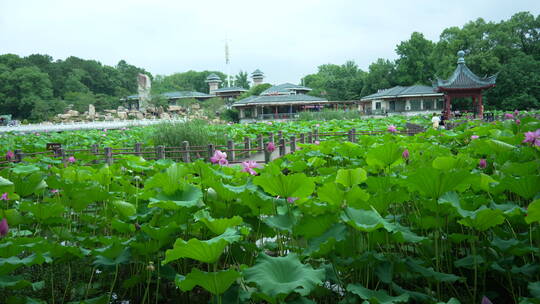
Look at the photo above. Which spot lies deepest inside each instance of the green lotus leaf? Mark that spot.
(112, 255)
(351, 177)
(534, 288)
(124, 208)
(445, 163)
(416, 266)
(434, 183)
(214, 282)
(217, 226)
(469, 261)
(376, 296)
(207, 251)
(8, 265)
(533, 212)
(527, 186)
(17, 282)
(363, 220)
(187, 197)
(25, 169)
(332, 194)
(277, 277)
(483, 219)
(325, 243)
(285, 221)
(383, 156)
(5, 184)
(294, 185)
(169, 181)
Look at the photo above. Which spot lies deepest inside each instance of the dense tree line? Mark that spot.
(36, 87)
(510, 48)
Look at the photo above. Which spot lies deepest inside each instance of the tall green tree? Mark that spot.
(337, 82)
(241, 80)
(186, 81)
(381, 75)
(415, 64)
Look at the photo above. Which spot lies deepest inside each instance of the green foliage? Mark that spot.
(186, 81)
(196, 132)
(336, 82)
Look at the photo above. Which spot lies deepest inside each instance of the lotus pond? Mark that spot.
(439, 217)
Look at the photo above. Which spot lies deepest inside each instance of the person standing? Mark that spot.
(435, 120)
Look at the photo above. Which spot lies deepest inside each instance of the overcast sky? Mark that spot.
(286, 39)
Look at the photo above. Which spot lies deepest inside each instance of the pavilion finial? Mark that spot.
(461, 55)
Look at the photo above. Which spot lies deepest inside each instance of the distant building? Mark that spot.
(257, 78)
(437, 98)
(132, 102)
(227, 93)
(279, 102)
(403, 100)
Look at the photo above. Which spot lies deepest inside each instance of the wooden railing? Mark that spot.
(236, 151)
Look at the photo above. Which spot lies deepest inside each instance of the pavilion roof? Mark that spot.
(230, 89)
(464, 78)
(257, 73)
(279, 100)
(284, 88)
(185, 95)
(399, 91)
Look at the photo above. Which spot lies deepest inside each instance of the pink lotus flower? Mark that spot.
(10, 155)
(71, 159)
(292, 199)
(4, 227)
(485, 300)
(317, 142)
(516, 112)
(533, 138)
(104, 130)
(473, 137)
(405, 154)
(392, 129)
(219, 158)
(271, 147)
(103, 134)
(269, 123)
(4, 197)
(54, 191)
(317, 125)
(482, 164)
(518, 122)
(508, 116)
(249, 166)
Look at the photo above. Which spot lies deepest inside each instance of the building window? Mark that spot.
(415, 105)
(440, 104)
(377, 105)
(428, 104)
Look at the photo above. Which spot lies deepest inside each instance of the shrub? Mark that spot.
(328, 114)
(196, 132)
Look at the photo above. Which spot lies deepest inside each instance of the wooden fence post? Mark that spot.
(210, 151)
(316, 134)
(138, 149)
(267, 155)
(19, 155)
(310, 138)
(302, 138)
(160, 152)
(260, 142)
(95, 151)
(108, 155)
(281, 147)
(230, 147)
(353, 134)
(293, 143)
(185, 155)
(247, 145)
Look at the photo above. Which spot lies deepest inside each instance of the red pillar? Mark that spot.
(475, 105)
(480, 107)
(448, 101)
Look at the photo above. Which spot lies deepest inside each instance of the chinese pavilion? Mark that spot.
(464, 83)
